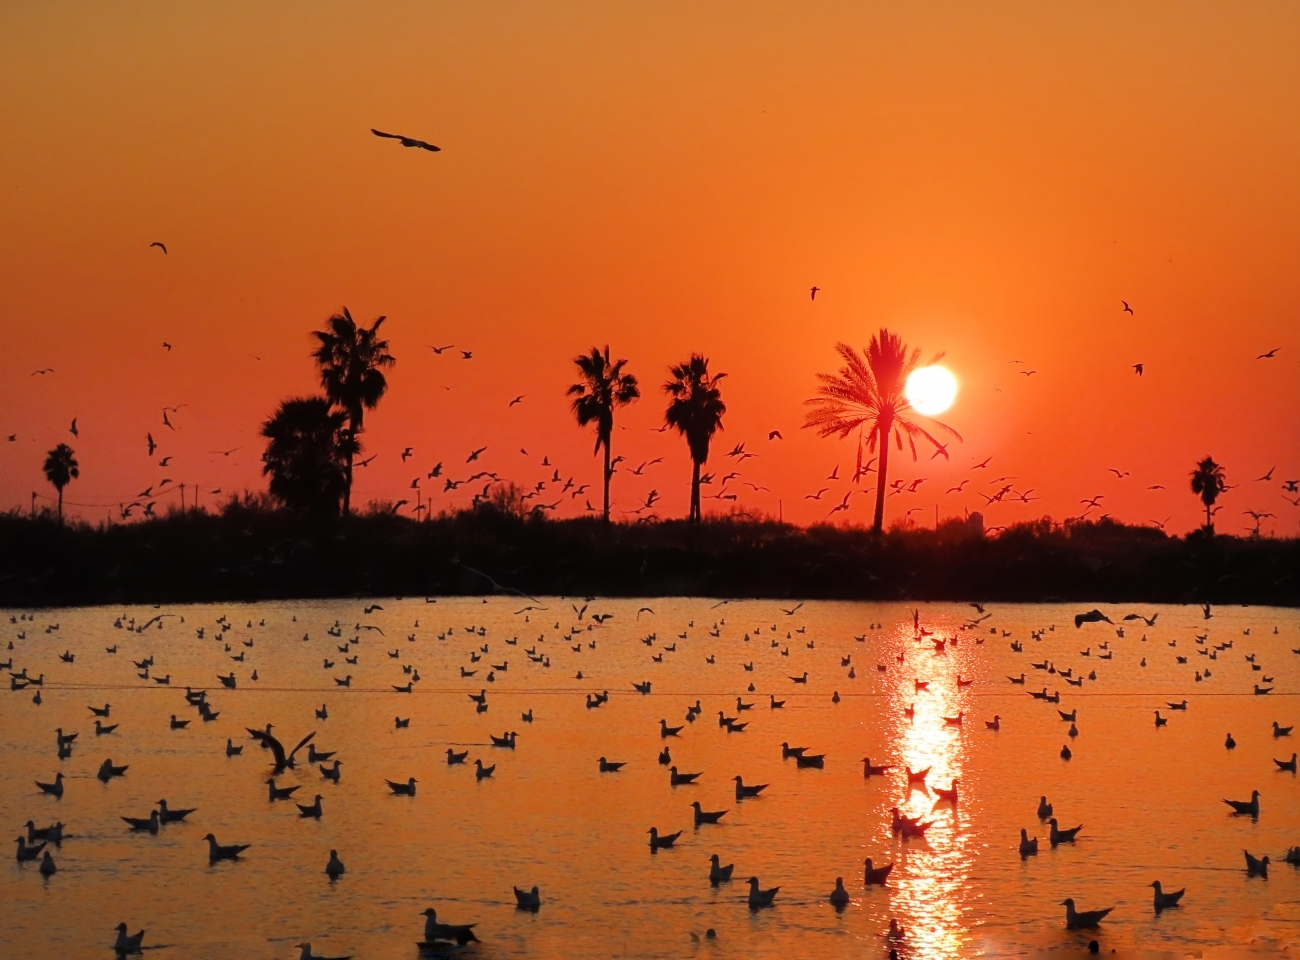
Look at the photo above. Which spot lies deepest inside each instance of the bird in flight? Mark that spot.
(406, 453)
(518, 399)
(42, 372)
(160, 245)
(1127, 308)
(167, 423)
(1095, 502)
(957, 489)
(1160, 524)
(814, 292)
(1028, 373)
(1119, 474)
(844, 505)
(225, 453)
(1156, 486)
(941, 450)
(775, 435)
(980, 465)
(737, 450)
(1270, 355)
(438, 350)
(1138, 368)
(1290, 485)
(13, 437)
(167, 346)
(406, 141)
(152, 446)
(474, 456)
(366, 462)
(1266, 477)
(436, 471)
(73, 429)
(817, 495)
(834, 474)
(467, 354)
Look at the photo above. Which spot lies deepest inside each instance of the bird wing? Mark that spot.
(305, 740)
(390, 136)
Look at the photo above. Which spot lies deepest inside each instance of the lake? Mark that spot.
(1149, 798)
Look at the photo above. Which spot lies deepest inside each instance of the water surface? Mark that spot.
(1149, 798)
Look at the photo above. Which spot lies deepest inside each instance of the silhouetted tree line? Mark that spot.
(252, 550)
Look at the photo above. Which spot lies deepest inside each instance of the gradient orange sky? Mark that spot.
(667, 178)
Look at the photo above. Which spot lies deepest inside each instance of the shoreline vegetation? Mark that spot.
(251, 550)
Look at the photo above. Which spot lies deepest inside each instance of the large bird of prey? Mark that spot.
(406, 141)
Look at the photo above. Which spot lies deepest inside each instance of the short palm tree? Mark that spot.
(352, 361)
(1208, 481)
(867, 396)
(695, 411)
(603, 387)
(61, 468)
(307, 448)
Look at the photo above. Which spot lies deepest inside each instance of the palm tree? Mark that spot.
(352, 360)
(1208, 482)
(696, 412)
(867, 395)
(61, 468)
(604, 386)
(308, 447)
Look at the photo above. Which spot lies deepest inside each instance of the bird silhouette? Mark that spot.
(160, 245)
(406, 141)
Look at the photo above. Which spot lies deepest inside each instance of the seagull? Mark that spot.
(435, 931)
(150, 823)
(481, 772)
(717, 872)
(1058, 836)
(334, 869)
(283, 761)
(1250, 806)
(160, 245)
(407, 142)
(217, 852)
(1270, 355)
(528, 899)
(402, 789)
(306, 953)
(1127, 308)
(1138, 368)
(1075, 920)
(1163, 901)
(279, 793)
(73, 429)
(1028, 847)
(312, 811)
(1287, 765)
(127, 944)
(26, 853)
(1254, 867)
(744, 792)
(171, 816)
(662, 843)
(876, 876)
(704, 816)
(759, 898)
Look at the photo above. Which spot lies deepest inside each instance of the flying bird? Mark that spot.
(474, 456)
(152, 446)
(775, 435)
(73, 429)
(817, 495)
(438, 350)
(814, 292)
(225, 453)
(518, 399)
(1138, 367)
(160, 245)
(1127, 308)
(167, 346)
(42, 372)
(1270, 355)
(406, 141)
(406, 453)
(467, 354)
(1266, 477)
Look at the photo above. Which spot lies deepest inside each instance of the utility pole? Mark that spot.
(183, 499)
(33, 504)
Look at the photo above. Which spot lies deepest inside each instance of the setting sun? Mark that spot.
(931, 390)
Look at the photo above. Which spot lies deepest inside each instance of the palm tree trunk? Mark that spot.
(60, 506)
(1209, 524)
(606, 513)
(882, 474)
(695, 491)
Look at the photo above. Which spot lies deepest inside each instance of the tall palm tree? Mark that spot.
(307, 449)
(604, 386)
(695, 411)
(61, 468)
(1208, 481)
(352, 361)
(867, 395)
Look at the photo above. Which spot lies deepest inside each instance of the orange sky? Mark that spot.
(666, 177)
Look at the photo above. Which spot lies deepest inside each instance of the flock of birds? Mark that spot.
(583, 633)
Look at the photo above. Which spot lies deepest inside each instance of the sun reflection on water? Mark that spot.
(931, 872)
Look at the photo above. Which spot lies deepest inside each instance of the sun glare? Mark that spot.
(931, 390)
